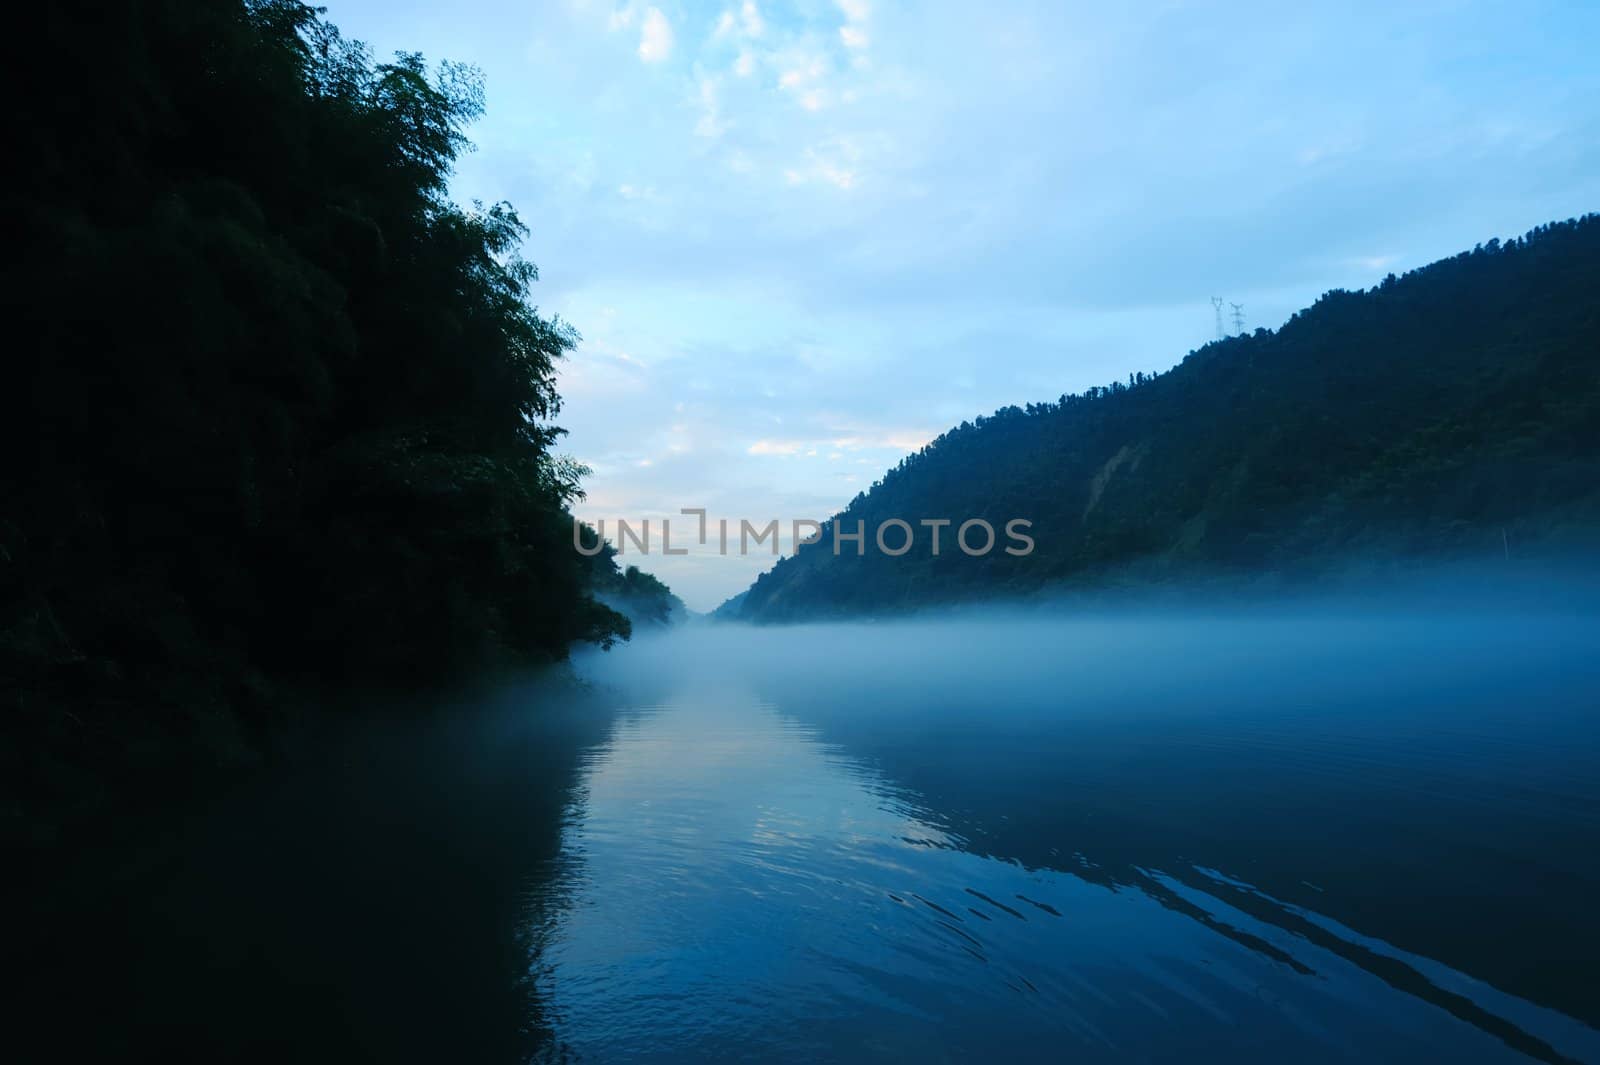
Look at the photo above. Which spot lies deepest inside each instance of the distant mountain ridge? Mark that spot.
(1452, 412)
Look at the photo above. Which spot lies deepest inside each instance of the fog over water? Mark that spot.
(1328, 830)
(1317, 830)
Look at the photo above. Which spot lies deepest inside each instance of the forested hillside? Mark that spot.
(1452, 412)
(278, 411)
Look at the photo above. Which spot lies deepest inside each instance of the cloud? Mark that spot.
(833, 174)
(711, 122)
(883, 440)
(806, 70)
(853, 34)
(805, 76)
(750, 19)
(776, 447)
(655, 36)
(899, 441)
(835, 163)
(747, 24)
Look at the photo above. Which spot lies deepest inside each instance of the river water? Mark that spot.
(1306, 836)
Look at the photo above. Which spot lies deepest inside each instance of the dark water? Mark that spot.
(1271, 837)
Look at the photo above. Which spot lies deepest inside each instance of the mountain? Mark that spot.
(1452, 412)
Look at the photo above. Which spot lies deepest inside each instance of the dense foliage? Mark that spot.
(278, 408)
(641, 597)
(1454, 411)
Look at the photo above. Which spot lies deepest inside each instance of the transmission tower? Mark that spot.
(1238, 317)
(1216, 305)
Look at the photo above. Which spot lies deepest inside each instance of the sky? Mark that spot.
(802, 239)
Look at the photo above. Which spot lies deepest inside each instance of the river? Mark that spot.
(1305, 835)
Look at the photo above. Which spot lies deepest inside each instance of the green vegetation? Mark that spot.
(280, 412)
(1453, 412)
(640, 597)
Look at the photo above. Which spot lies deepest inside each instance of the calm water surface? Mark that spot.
(1134, 839)
(1232, 837)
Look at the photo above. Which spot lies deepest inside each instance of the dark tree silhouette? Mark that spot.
(278, 410)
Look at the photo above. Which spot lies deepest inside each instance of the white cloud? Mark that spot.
(882, 439)
(835, 164)
(805, 75)
(655, 37)
(866, 439)
(805, 71)
(833, 174)
(747, 24)
(711, 123)
(776, 447)
(745, 65)
(854, 31)
(750, 18)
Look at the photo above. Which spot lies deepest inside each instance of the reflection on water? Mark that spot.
(1128, 838)
(938, 843)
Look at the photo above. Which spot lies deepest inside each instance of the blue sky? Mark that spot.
(801, 239)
